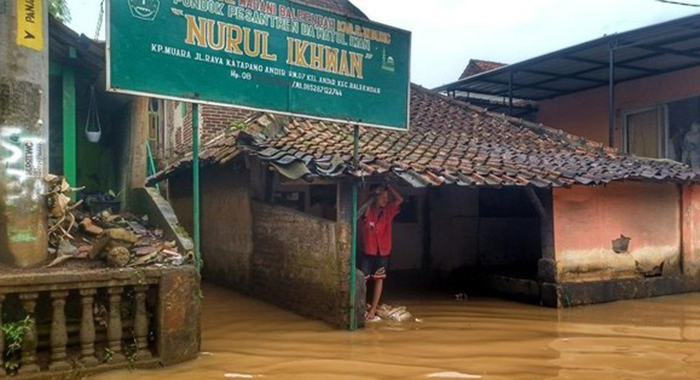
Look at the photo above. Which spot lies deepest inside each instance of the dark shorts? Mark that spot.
(374, 266)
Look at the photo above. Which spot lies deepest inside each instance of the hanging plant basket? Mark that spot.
(93, 127)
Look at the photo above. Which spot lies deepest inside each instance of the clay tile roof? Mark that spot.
(478, 66)
(219, 149)
(450, 142)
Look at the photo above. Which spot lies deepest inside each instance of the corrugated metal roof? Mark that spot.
(653, 50)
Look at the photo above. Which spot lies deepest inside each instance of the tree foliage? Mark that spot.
(59, 9)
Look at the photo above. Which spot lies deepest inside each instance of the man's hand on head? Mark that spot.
(397, 196)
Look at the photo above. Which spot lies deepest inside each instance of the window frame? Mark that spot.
(663, 123)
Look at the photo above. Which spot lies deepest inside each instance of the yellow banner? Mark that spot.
(30, 24)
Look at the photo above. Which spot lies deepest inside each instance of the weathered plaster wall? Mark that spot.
(180, 197)
(298, 262)
(691, 230)
(24, 123)
(227, 227)
(588, 219)
(226, 222)
(586, 113)
(179, 316)
(290, 259)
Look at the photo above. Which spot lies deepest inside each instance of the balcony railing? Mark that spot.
(79, 322)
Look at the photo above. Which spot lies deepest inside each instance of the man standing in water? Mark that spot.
(376, 235)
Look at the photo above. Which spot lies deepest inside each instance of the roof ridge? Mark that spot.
(537, 127)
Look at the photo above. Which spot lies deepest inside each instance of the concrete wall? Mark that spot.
(226, 222)
(586, 113)
(588, 219)
(691, 230)
(297, 262)
(148, 201)
(288, 258)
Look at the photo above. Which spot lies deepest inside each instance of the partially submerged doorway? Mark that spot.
(453, 240)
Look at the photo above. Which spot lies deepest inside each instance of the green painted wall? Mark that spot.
(96, 165)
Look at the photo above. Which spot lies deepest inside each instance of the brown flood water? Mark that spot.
(475, 339)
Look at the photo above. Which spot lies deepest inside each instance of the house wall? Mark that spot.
(588, 219)
(178, 126)
(226, 222)
(691, 230)
(586, 113)
(288, 258)
(297, 262)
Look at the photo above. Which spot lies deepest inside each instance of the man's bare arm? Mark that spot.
(397, 196)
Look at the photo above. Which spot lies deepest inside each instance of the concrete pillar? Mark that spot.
(29, 364)
(114, 325)
(690, 230)
(2, 340)
(24, 108)
(547, 266)
(134, 155)
(141, 322)
(87, 328)
(59, 332)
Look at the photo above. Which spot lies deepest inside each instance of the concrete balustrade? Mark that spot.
(100, 320)
(87, 328)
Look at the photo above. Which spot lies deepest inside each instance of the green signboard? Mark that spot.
(277, 56)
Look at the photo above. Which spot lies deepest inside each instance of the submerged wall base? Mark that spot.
(571, 294)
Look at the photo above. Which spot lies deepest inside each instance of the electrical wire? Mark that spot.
(679, 3)
(100, 19)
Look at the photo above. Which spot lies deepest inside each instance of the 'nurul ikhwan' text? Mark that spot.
(253, 43)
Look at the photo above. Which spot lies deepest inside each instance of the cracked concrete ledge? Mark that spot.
(148, 201)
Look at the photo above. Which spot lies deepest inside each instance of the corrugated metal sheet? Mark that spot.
(653, 50)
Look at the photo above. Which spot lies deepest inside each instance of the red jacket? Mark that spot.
(376, 229)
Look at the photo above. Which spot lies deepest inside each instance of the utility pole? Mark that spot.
(24, 122)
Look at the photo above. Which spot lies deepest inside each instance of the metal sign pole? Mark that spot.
(195, 185)
(353, 249)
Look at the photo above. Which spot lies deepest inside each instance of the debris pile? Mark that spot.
(61, 217)
(119, 240)
(394, 313)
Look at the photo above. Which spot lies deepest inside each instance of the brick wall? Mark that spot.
(218, 119)
(213, 121)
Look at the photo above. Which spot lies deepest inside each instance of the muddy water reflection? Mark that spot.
(482, 338)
